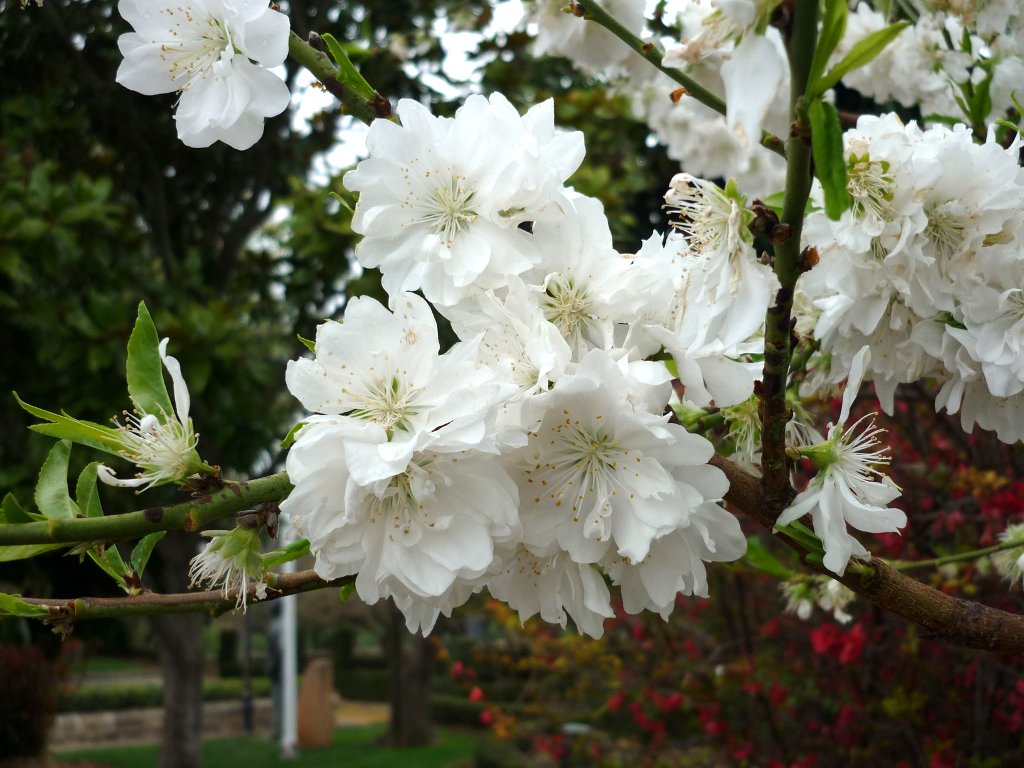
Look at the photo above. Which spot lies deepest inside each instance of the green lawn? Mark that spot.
(352, 748)
(97, 665)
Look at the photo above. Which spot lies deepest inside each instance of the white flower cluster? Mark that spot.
(703, 141)
(725, 47)
(926, 270)
(802, 593)
(730, 47)
(534, 457)
(952, 43)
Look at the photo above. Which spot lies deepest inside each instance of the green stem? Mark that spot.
(320, 64)
(149, 604)
(190, 515)
(800, 46)
(959, 557)
(651, 51)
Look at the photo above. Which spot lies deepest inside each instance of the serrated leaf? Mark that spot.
(347, 72)
(12, 605)
(310, 345)
(141, 552)
(12, 512)
(759, 557)
(295, 550)
(833, 25)
(64, 427)
(289, 439)
(829, 162)
(145, 372)
(863, 52)
(110, 560)
(51, 494)
(86, 495)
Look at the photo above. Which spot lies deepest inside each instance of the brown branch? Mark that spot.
(66, 611)
(942, 616)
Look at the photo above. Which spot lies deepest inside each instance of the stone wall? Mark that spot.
(82, 730)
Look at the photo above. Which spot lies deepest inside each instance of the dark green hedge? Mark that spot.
(97, 698)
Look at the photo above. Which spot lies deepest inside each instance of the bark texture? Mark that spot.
(412, 661)
(179, 642)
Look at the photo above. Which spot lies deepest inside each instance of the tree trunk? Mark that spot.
(412, 661)
(179, 641)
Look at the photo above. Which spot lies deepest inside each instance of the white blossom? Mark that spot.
(162, 445)
(415, 535)
(554, 586)
(383, 369)
(598, 474)
(1009, 563)
(584, 285)
(441, 199)
(231, 560)
(849, 488)
(675, 563)
(217, 55)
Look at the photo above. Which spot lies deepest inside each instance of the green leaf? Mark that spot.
(346, 591)
(51, 495)
(804, 536)
(310, 345)
(25, 551)
(344, 203)
(289, 439)
(12, 512)
(347, 72)
(829, 163)
(110, 560)
(863, 52)
(11, 605)
(145, 372)
(295, 550)
(833, 25)
(776, 201)
(140, 554)
(759, 557)
(65, 427)
(86, 495)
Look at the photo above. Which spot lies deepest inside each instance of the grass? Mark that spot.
(354, 747)
(93, 665)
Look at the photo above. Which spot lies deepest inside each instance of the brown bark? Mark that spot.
(179, 642)
(412, 661)
(942, 616)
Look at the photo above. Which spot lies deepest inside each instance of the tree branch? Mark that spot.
(189, 516)
(319, 63)
(652, 53)
(214, 601)
(800, 44)
(942, 616)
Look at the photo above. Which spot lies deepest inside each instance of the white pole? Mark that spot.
(289, 660)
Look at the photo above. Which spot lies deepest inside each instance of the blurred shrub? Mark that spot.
(98, 698)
